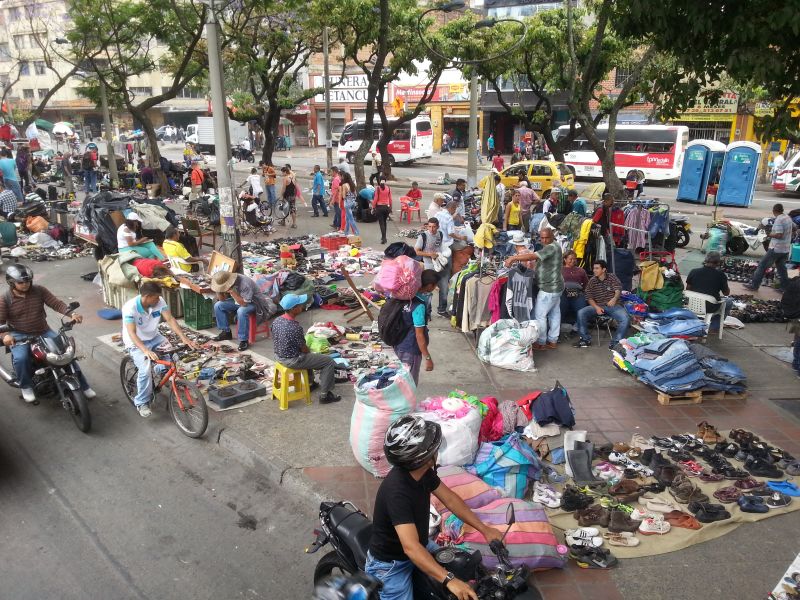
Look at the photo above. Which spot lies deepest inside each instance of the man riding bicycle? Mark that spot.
(140, 319)
(23, 309)
(399, 540)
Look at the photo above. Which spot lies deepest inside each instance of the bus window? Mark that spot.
(402, 133)
(423, 126)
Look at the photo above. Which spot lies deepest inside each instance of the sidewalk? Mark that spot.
(306, 449)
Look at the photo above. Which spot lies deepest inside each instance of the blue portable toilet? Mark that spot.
(739, 172)
(702, 165)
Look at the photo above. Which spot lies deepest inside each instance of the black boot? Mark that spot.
(329, 398)
(223, 335)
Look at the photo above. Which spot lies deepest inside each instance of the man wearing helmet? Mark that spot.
(22, 308)
(399, 540)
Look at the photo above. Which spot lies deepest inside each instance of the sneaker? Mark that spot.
(89, 393)
(582, 344)
(443, 313)
(654, 526)
(243, 345)
(223, 335)
(542, 497)
(329, 398)
(144, 410)
(640, 514)
(546, 489)
(28, 395)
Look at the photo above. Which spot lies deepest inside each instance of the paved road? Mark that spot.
(136, 510)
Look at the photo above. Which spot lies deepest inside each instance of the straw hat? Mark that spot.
(517, 238)
(222, 281)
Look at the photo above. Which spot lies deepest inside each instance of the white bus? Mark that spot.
(411, 141)
(655, 150)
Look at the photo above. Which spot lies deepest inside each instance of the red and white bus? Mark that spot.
(411, 141)
(655, 150)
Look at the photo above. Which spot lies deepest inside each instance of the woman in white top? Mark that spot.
(254, 181)
(129, 239)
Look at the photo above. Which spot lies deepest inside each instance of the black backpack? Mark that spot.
(86, 163)
(391, 326)
(790, 302)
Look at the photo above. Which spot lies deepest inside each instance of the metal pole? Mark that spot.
(228, 209)
(112, 157)
(472, 156)
(328, 128)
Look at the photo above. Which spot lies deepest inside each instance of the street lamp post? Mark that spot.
(228, 208)
(328, 128)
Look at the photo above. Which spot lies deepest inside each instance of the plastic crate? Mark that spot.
(198, 311)
(172, 297)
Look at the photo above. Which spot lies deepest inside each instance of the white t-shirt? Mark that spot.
(123, 235)
(255, 183)
(246, 144)
(146, 320)
(445, 225)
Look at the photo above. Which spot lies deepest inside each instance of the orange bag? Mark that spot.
(36, 224)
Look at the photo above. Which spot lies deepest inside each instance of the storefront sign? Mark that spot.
(452, 92)
(351, 90)
(727, 104)
(764, 109)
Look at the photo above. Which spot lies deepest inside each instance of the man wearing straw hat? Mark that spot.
(240, 295)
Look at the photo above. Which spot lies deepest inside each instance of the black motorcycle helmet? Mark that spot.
(18, 273)
(411, 441)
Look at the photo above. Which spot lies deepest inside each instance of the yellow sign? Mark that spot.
(764, 109)
(727, 104)
(704, 118)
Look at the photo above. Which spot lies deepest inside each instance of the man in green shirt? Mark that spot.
(547, 310)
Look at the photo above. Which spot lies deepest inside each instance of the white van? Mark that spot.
(787, 179)
(411, 141)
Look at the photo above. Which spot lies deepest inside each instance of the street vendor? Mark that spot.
(240, 295)
(291, 350)
(174, 248)
(130, 238)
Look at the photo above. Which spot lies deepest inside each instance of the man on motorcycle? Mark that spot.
(22, 307)
(399, 540)
(140, 319)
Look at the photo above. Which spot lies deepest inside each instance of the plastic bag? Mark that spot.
(373, 412)
(506, 344)
(507, 464)
(460, 430)
(401, 277)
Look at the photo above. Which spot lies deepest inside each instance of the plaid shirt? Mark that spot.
(8, 202)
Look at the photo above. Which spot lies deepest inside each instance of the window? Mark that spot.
(5, 53)
(27, 94)
(621, 76)
(188, 92)
(423, 126)
(13, 14)
(39, 67)
(541, 171)
(42, 93)
(20, 42)
(141, 91)
(24, 68)
(515, 171)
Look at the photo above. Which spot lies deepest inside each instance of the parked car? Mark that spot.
(160, 132)
(543, 175)
(787, 179)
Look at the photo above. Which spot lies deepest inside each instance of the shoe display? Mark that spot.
(592, 558)
(708, 513)
(708, 433)
(620, 521)
(778, 500)
(593, 515)
(728, 494)
(654, 526)
(572, 500)
(678, 518)
(624, 538)
(752, 504)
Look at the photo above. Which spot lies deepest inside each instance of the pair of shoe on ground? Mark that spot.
(223, 336)
(30, 397)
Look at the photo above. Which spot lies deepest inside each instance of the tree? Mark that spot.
(383, 42)
(43, 28)
(129, 39)
(753, 43)
(266, 46)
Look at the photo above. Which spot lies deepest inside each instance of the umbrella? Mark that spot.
(44, 124)
(62, 128)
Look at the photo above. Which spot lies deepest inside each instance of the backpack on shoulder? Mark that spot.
(391, 326)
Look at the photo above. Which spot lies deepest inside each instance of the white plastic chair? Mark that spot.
(175, 263)
(696, 302)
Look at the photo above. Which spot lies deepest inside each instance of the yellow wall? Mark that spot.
(437, 122)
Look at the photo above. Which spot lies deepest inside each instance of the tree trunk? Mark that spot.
(269, 126)
(153, 153)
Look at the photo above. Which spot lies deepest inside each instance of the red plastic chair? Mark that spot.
(255, 329)
(408, 206)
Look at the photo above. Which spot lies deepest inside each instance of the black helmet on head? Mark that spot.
(18, 273)
(410, 442)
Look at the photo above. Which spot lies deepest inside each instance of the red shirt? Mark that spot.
(498, 163)
(414, 194)
(383, 197)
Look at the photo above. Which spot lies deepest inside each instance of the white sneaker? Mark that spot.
(585, 542)
(546, 489)
(544, 498)
(582, 532)
(640, 514)
(657, 526)
(89, 393)
(144, 410)
(28, 395)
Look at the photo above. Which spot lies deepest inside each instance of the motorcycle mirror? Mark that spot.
(73, 305)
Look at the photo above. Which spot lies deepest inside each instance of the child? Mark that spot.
(415, 193)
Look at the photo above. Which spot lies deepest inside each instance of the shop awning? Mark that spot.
(44, 124)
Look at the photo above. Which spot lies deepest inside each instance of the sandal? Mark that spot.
(592, 558)
(678, 518)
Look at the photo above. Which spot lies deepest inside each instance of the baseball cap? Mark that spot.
(289, 301)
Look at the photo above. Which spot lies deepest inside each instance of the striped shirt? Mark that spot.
(603, 291)
(26, 313)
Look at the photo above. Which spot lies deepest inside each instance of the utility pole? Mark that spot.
(228, 209)
(112, 156)
(472, 154)
(328, 128)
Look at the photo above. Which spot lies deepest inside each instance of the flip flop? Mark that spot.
(785, 487)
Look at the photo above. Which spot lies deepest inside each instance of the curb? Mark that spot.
(241, 446)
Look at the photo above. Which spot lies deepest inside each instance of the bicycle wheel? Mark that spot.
(127, 375)
(267, 209)
(283, 209)
(190, 412)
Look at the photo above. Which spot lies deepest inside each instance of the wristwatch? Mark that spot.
(428, 357)
(447, 579)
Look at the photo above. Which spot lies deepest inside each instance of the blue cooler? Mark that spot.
(795, 255)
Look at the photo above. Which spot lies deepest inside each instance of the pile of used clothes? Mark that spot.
(675, 366)
(675, 322)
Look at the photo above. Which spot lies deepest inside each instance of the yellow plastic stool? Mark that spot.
(284, 379)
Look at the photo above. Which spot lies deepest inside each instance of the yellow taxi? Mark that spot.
(543, 175)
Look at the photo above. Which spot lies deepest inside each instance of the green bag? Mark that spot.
(8, 233)
(669, 296)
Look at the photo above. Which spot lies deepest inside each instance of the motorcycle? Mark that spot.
(740, 236)
(241, 153)
(682, 230)
(348, 530)
(55, 371)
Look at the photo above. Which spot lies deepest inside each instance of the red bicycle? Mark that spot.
(186, 405)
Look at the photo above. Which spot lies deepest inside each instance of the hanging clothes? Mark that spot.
(476, 304)
(571, 225)
(521, 292)
(638, 218)
(608, 220)
(580, 244)
(497, 295)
